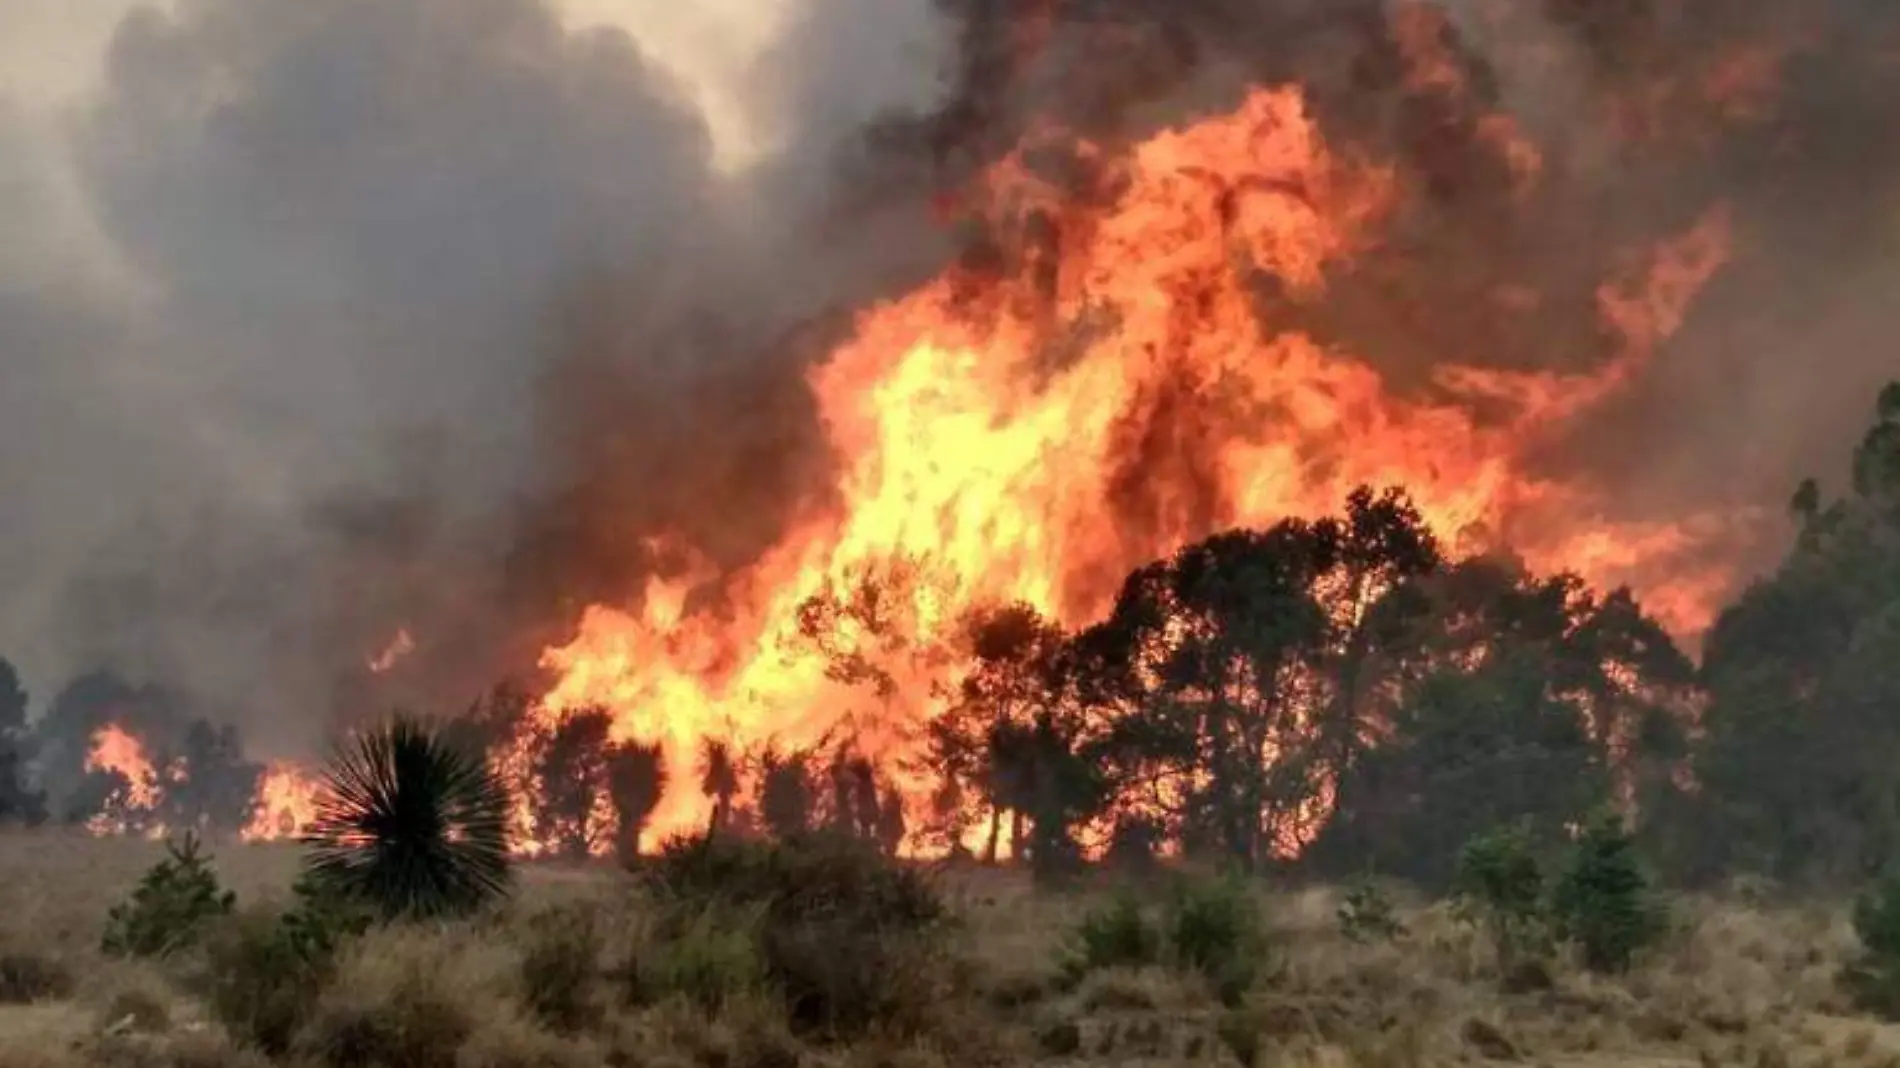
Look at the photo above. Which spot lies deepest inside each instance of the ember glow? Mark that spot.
(1098, 390)
(399, 646)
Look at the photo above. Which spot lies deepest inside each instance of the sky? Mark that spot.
(272, 266)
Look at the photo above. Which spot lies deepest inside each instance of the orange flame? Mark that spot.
(286, 803)
(116, 750)
(1032, 435)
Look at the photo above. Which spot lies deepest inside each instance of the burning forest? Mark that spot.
(1274, 421)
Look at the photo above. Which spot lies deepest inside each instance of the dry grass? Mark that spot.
(545, 984)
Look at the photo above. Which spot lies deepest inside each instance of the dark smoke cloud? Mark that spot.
(413, 312)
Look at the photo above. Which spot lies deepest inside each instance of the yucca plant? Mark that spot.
(410, 824)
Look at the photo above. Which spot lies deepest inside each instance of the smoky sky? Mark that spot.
(320, 318)
(291, 299)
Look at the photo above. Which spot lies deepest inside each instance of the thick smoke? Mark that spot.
(324, 319)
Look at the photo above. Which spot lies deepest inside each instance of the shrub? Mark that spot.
(321, 919)
(30, 977)
(1366, 914)
(1872, 977)
(1214, 929)
(1116, 934)
(265, 970)
(1500, 886)
(819, 873)
(170, 907)
(411, 823)
(261, 982)
(846, 935)
(707, 956)
(405, 1000)
(1604, 902)
(560, 966)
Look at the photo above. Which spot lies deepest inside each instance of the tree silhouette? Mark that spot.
(718, 780)
(636, 781)
(572, 785)
(1801, 675)
(19, 802)
(206, 783)
(786, 794)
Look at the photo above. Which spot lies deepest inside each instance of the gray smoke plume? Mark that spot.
(318, 318)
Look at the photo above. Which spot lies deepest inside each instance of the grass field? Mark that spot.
(1734, 984)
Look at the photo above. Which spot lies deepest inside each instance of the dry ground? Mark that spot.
(1736, 984)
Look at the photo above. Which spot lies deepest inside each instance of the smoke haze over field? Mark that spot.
(325, 318)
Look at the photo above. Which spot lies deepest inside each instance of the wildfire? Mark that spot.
(1033, 431)
(116, 751)
(286, 803)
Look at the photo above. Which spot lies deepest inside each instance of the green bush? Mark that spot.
(1117, 934)
(819, 873)
(1214, 928)
(265, 969)
(261, 982)
(1604, 902)
(321, 918)
(1872, 977)
(1366, 914)
(848, 937)
(171, 907)
(708, 956)
(560, 966)
(1500, 887)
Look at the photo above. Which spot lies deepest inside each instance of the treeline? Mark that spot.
(1336, 696)
(196, 774)
(1326, 697)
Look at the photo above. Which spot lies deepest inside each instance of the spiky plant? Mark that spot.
(410, 824)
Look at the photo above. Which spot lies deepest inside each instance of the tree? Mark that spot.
(636, 781)
(718, 780)
(1801, 674)
(786, 795)
(409, 824)
(19, 802)
(571, 784)
(206, 783)
(1603, 900)
(986, 740)
(1510, 698)
(1208, 654)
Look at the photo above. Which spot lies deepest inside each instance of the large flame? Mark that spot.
(1032, 431)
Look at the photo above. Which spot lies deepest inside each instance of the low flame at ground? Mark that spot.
(286, 803)
(116, 751)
